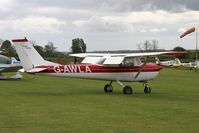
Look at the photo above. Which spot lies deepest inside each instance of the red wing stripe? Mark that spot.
(20, 40)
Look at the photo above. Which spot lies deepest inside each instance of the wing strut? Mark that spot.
(142, 67)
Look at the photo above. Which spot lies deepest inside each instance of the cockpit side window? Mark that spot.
(128, 62)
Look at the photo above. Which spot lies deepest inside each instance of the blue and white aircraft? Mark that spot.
(14, 66)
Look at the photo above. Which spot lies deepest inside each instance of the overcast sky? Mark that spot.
(103, 24)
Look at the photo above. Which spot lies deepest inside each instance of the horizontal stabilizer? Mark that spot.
(9, 68)
(36, 70)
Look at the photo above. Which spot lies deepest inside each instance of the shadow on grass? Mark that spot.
(159, 97)
(10, 79)
(86, 93)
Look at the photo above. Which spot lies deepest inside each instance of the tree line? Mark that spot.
(47, 51)
(79, 46)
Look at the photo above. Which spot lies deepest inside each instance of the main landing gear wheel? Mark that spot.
(108, 88)
(127, 90)
(147, 90)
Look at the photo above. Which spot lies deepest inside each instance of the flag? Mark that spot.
(188, 32)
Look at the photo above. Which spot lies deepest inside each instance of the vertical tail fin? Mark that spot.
(29, 57)
(177, 61)
(157, 61)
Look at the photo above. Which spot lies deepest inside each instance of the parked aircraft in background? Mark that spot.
(196, 65)
(110, 67)
(189, 65)
(165, 63)
(4, 59)
(175, 63)
(14, 66)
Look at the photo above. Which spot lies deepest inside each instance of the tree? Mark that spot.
(7, 49)
(178, 48)
(183, 56)
(50, 49)
(78, 46)
(39, 48)
(148, 46)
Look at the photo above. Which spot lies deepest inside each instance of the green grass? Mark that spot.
(39, 104)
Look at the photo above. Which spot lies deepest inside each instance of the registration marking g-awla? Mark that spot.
(72, 69)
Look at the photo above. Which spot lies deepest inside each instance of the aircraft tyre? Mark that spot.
(127, 90)
(108, 88)
(147, 90)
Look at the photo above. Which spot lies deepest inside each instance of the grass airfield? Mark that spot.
(55, 105)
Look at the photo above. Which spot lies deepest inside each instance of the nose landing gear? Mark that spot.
(147, 89)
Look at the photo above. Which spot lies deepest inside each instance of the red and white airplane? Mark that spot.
(110, 67)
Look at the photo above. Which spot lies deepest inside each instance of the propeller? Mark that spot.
(75, 60)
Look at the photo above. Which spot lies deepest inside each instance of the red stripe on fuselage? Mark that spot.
(90, 68)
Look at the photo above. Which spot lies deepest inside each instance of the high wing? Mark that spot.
(99, 58)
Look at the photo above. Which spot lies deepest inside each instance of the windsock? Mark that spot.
(188, 32)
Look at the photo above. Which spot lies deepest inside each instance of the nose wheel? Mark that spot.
(147, 89)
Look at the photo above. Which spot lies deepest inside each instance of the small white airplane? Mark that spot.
(196, 65)
(165, 63)
(13, 67)
(4, 59)
(110, 67)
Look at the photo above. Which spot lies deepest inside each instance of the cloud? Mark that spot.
(181, 30)
(101, 24)
(114, 21)
(32, 24)
(152, 5)
(157, 21)
(5, 5)
(158, 30)
(156, 17)
(116, 6)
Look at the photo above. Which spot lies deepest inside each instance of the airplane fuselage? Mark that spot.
(101, 72)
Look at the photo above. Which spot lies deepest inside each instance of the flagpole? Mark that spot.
(196, 43)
